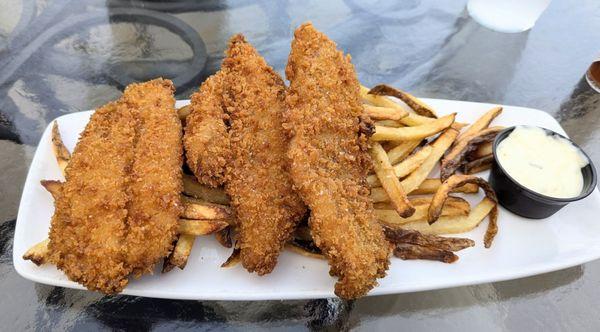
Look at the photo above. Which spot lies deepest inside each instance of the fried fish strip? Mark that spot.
(88, 227)
(267, 208)
(206, 140)
(329, 161)
(156, 183)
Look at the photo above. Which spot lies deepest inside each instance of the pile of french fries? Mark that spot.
(413, 208)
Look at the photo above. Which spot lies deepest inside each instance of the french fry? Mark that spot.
(457, 202)
(305, 248)
(413, 102)
(481, 123)
(456, 181)
(430, 186)
(427, 240)
(478, 165)
(408, 251)
(201, 227)
(402, 150)
(455, 224)
(483, 150)
(405, 167)
(194, 209)
(389, 181)
(384, 113)
(53, 187)
(224, 237)
(391, 217)
(412, 119)
(184, 111)
(233, 259)
(38, 253)
(59, 149)
(180, 254)
(191, 187)
(413, 133)
(388, 123)
(441, 144)
(455, 157)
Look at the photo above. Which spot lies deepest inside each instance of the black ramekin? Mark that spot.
(526, 202)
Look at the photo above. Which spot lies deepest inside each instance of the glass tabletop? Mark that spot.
(63, 56)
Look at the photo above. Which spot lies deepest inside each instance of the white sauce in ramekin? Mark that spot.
(547, 164)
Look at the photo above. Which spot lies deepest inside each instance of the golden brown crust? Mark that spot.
(266, 206)
(88, 227)
(329, 162)
(206, 140)
(156, 183)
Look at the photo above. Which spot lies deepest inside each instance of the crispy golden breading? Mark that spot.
(156, 182)
(88, 227)
(329, 161)
(206, 141)
(266, 206)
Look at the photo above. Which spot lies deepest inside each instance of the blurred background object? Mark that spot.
(509, 16)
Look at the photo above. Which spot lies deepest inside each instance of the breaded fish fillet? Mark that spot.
(206, 140)
(266, 206)
(156, 182)
(88, 227)
(329, 161)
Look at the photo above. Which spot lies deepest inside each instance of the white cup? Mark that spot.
(509, 16)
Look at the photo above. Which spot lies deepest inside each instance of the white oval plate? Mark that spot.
(522, 247)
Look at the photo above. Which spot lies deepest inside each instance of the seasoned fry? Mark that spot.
(453, 182)
(384, 113)
(39, 253)
(455, 224)
(233, 259)
(441, 144)
(427, 240)
(390, 183)
(193, 188)
(402, 150)
(430, 186)
(413, 133)
(53, 186)
(478, 165)
(413, 102)
(455, 157)
(184, 111)
(201, 227)
(59, 149)
(405, 167)
(193, 210)
(408, 251)
(180, 254)
(224, 237)
(481, 123)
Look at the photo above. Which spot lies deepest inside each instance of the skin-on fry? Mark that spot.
(400, 235)
(458, 202)
(405, 167)
(413, 133)
(193, 188)
(193, 210)
(455, 157)
(390, 183)
(435, 209)
(184, 111)
(224, 237)
(455, 224)
(430, 186)
(53, 186)
(402, 150)
(38, 254)
(408, 251)
(391, 217)
(441, 144)
(59, 149)
(233, 259)
(180, 254)
(384, 113)
(413, 102)
(201, 227)
(412, 119)
(483, 150)
(478, 165)
(481, 123)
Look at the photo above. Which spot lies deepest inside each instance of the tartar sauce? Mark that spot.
(547, 164)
